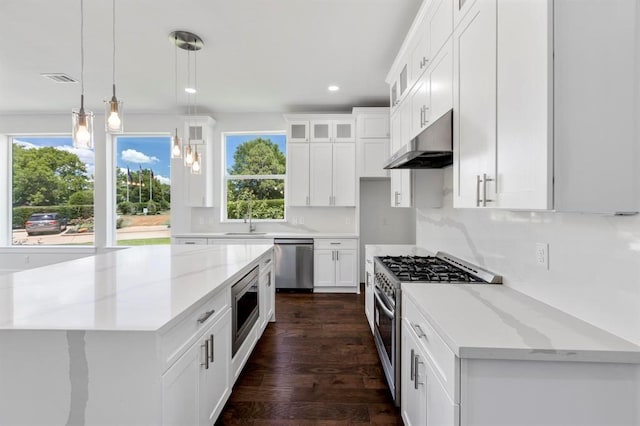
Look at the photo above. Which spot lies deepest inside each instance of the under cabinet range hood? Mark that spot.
(431, 149)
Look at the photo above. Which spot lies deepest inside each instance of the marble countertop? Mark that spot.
(496, 322)
(139, 288)
(257, 235)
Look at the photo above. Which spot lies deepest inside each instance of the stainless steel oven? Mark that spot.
(245, 308)
(387, 337)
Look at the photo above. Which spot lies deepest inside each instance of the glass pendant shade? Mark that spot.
(176, 146)
(196, 166)
(82, 122)
(188, 156)
(113, 114)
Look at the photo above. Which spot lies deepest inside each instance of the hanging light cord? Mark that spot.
(195, 78)
(81, 54)
(175, 66)
(113, 32)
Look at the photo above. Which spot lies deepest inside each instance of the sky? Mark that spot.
(145, 152)
(233, 141)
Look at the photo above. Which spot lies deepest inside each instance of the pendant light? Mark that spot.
(113, 112)
(196, 166)
(82, 121)
(188, 151)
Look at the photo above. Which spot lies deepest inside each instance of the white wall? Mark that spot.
(594, 266)
(379, 222)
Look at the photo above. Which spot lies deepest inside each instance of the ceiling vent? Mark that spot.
(59, 78)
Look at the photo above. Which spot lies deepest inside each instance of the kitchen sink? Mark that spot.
(245, 233)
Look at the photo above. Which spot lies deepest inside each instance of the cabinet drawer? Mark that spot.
(444, 362)
(175, 341)
(335, 244)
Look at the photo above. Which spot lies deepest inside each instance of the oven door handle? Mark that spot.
(382, 306)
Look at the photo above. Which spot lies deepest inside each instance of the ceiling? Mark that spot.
(259, 55)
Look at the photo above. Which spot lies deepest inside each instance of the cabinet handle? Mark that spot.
(307, 200)
(337, 256)
(416, 382)
(212, 356)
(419, 331)
(413, 367)
(421, 117)
(425, 109)
(205, 346)
(189, 242)
(267, 261)
(333, 255)
(478, 200)
(396, 200)
(485, 179)
(202, 318)
(366, 280)
(335, 243)
(269, 280)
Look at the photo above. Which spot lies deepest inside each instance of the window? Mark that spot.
(52, 191)
(255, 171)
(143, 190)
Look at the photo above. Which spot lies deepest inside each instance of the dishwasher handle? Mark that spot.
(293, 241)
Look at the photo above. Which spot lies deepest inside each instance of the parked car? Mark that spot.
(45, 222)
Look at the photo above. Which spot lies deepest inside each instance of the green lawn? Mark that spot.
(145, 242)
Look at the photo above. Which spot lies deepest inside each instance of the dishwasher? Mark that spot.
(294, 264)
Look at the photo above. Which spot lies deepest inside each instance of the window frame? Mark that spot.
(225, 177)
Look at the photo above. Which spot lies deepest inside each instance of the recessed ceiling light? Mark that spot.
(333, 88)
(190, 90)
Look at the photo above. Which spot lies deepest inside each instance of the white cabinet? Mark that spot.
(198, 188)
(267, 293)
(474, 136)
(373, 137)
(342, 130)
(197, 385)
(298, 131)
(335, 264)
(323, 173)
(298, 174)
(401, 195)
(369, 288)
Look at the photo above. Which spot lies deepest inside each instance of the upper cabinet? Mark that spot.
(322, 170)
(372, 135)
(198, 189)
(530, 125)
(298, 131)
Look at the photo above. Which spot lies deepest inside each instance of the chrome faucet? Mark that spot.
(252, 227)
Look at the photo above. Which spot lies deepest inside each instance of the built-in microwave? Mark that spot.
(244, 307)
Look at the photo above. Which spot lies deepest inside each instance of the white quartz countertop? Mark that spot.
(257, 235)
(496, 322)
(139, 288)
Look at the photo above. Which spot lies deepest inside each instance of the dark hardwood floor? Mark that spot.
(317, 365)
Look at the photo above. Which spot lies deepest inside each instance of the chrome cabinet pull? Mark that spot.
(419, 331)
(337, 256)
(424, 110)
(333, 255)
(416, 382)
(205, 346)
(413, 367)
(202, 318)
(212, 356)
(478, 200)
(267, 261)
(395, 202)
(335, 243)
(485, 179)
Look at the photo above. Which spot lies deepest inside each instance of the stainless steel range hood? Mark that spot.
(431, 149)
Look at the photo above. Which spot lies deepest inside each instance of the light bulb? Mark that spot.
(195, 167)
(82, 134)
(175, 152)
(114, 121)
(188, 156)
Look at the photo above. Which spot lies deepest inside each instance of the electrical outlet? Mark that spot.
(301, 220)
(542, 255)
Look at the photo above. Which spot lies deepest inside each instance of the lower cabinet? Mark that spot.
(196, 386)
(369, 289)
(335, 265)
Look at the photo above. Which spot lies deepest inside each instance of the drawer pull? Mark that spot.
(202, 318)
(335, 244)
(205, 346)
(416, 382)
(419, 331)
(211, 356)
(413, 367)
(267, 261)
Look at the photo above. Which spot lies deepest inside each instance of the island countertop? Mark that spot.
(497, 322)
(138, 289)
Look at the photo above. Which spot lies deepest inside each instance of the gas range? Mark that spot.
(390, 272)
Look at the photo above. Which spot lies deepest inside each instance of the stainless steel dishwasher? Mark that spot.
(294, 263)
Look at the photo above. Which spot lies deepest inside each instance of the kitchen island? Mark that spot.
(134, 336)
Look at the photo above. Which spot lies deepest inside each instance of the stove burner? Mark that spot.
(429, 269)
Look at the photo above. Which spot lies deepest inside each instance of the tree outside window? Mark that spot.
(255, 175)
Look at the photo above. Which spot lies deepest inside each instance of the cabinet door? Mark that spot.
(343, 131)
(298, 131)
(346, 272)
(373, 126)
(271, 297)
(420, 55)
(441, 411)
(413, 398)
(474, 142)
(215, 381)
(298, 174)
(321, 131)
(524, 129)
(441, 83)
(368, 294)
(440, 24)
(344, 174)
(320, 174)
(180, 398)
(419, 106)
(324, 270)
(374, 154)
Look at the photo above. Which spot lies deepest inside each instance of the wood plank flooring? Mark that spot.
(317, 365)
